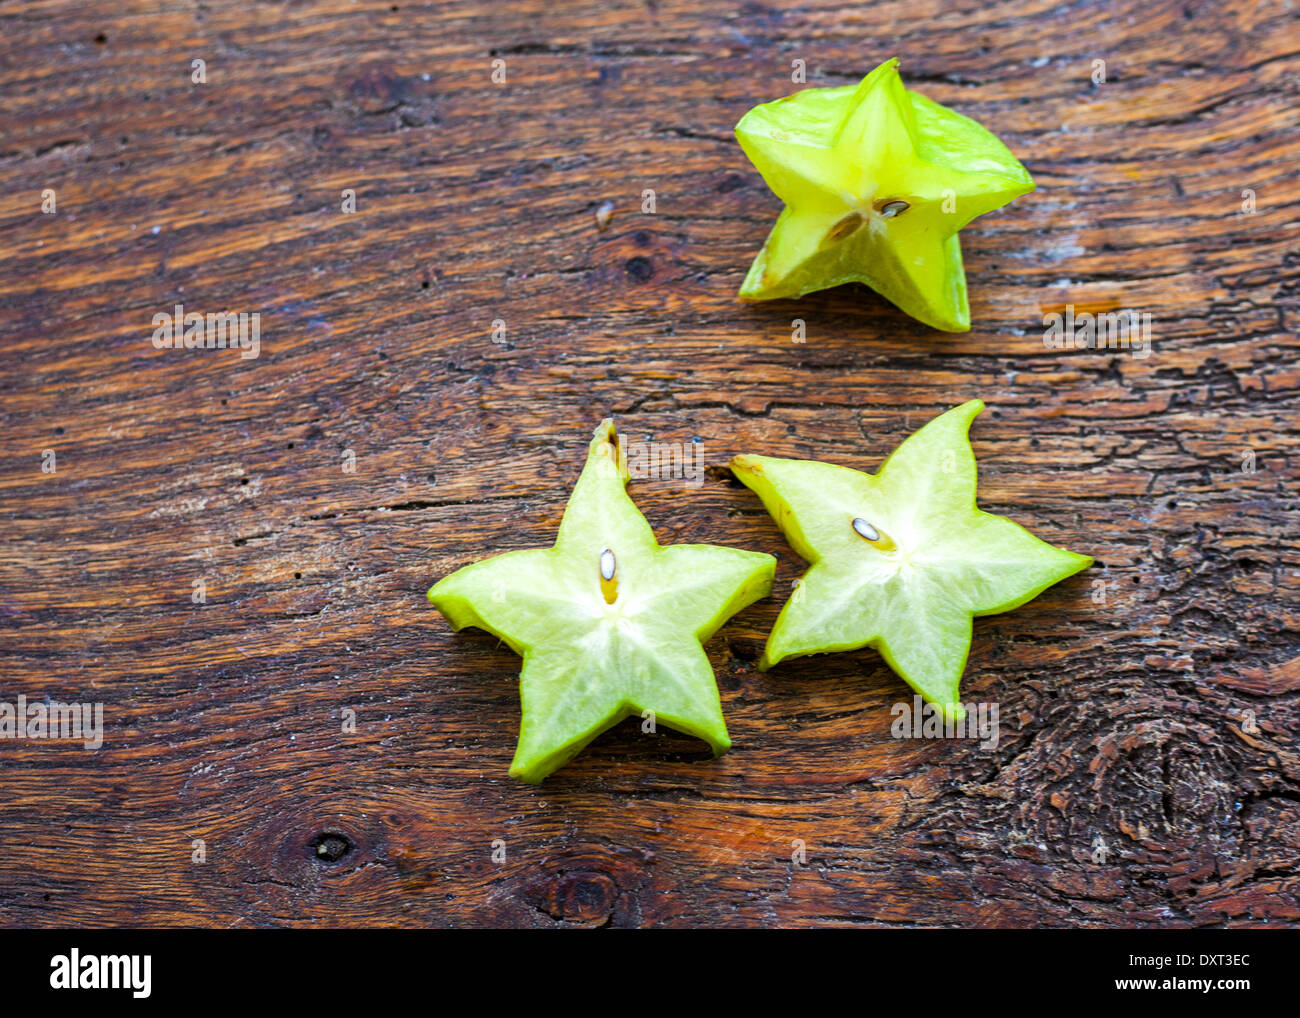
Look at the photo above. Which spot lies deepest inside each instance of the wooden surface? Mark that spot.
(1121, 721)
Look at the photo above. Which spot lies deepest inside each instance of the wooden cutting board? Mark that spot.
(230, 553)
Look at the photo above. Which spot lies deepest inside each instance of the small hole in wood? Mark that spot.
(330, 846)
(639, 269)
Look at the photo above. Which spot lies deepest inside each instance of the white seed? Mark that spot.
(607, 564)
(865, 529)
(894, 208)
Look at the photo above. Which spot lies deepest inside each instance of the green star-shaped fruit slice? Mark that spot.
(608, 623)
(876, 181)
(902, 560)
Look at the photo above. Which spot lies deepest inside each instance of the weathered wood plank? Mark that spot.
(1121, 721)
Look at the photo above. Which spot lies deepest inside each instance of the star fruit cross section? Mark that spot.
(901, 560)
(608, 622)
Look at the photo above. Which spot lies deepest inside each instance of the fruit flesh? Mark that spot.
(842, 156)
(941, 560)
(588, 661)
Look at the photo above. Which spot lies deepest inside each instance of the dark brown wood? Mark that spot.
(475, 201)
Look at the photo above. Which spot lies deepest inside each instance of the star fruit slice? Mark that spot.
(877, 180)
(901, 560)
(609, 623)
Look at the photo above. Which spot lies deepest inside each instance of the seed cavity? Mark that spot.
(608, 585)
(844, 228)
(873, 535)
(890, 209)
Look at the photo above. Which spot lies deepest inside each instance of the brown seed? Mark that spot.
(604, 213)
(844, 228)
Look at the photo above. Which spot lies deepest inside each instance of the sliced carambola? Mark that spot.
(608, 623)
(876, 180)
(901, 560)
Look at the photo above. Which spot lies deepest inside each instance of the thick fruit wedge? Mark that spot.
(876, 180)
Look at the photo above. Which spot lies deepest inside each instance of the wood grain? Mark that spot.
(475, 202)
